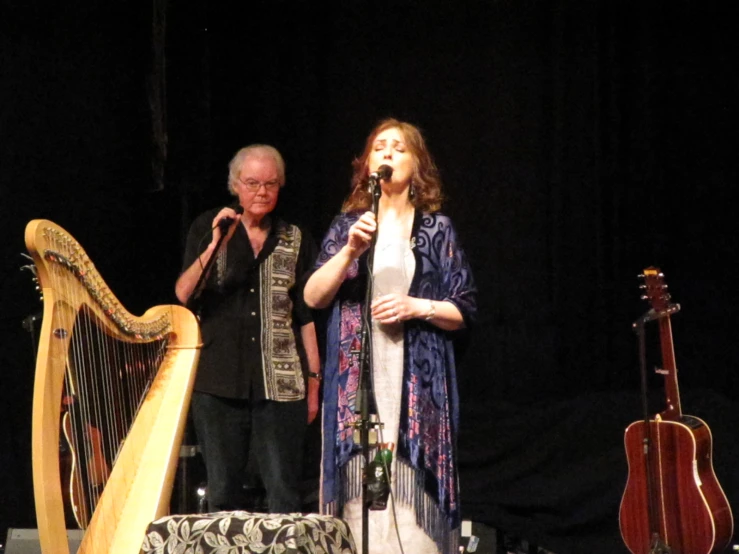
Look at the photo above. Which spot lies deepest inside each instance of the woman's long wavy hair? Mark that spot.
(425, 182)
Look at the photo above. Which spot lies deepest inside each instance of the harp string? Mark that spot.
(107, 377)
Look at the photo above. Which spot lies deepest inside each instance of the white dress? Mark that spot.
(394, 265)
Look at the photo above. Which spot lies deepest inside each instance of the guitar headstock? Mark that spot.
(655, 289)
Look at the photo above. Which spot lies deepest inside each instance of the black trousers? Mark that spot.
(225, 428)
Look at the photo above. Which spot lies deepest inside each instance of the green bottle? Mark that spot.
(378, 477)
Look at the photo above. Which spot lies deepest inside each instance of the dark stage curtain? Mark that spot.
(579, 143)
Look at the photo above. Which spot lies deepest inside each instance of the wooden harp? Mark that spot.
(115, 388)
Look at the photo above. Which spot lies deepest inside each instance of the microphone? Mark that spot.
(383, 173)
(226, 222)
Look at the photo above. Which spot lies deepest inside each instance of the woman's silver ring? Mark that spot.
(397, 319)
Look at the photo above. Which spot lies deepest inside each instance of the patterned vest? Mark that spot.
(283, 376)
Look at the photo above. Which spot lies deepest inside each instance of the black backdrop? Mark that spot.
(579, 142)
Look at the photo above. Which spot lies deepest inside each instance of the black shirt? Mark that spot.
(231, 360)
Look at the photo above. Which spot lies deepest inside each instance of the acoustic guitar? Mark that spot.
(673, 503)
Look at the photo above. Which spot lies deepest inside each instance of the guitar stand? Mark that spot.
(659, 547)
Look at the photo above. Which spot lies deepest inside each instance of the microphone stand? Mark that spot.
(193, 303)
(365, 391)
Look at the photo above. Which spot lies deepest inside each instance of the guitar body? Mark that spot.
(75, 501)
(690, 512)
(88, 470)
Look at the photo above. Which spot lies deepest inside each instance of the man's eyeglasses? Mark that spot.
(254, 186)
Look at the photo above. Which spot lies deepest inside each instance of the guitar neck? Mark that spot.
(669, 370)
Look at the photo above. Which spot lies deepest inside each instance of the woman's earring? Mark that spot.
(412, 192)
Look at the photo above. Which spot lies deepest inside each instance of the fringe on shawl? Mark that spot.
(408, 491)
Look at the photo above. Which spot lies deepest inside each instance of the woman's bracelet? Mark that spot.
(432, 310)
(314, 375)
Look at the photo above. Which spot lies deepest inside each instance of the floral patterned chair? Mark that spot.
(247, 532)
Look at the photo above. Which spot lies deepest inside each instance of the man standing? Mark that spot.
(256, 329)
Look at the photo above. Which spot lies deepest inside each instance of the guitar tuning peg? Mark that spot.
(642, 286)
(644, 297)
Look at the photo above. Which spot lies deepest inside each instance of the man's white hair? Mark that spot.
(254, 151)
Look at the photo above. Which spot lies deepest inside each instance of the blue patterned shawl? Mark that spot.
(429, 416)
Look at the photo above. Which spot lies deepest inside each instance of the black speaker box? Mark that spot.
(25, 541)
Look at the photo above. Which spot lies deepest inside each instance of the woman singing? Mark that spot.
(423, 291)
